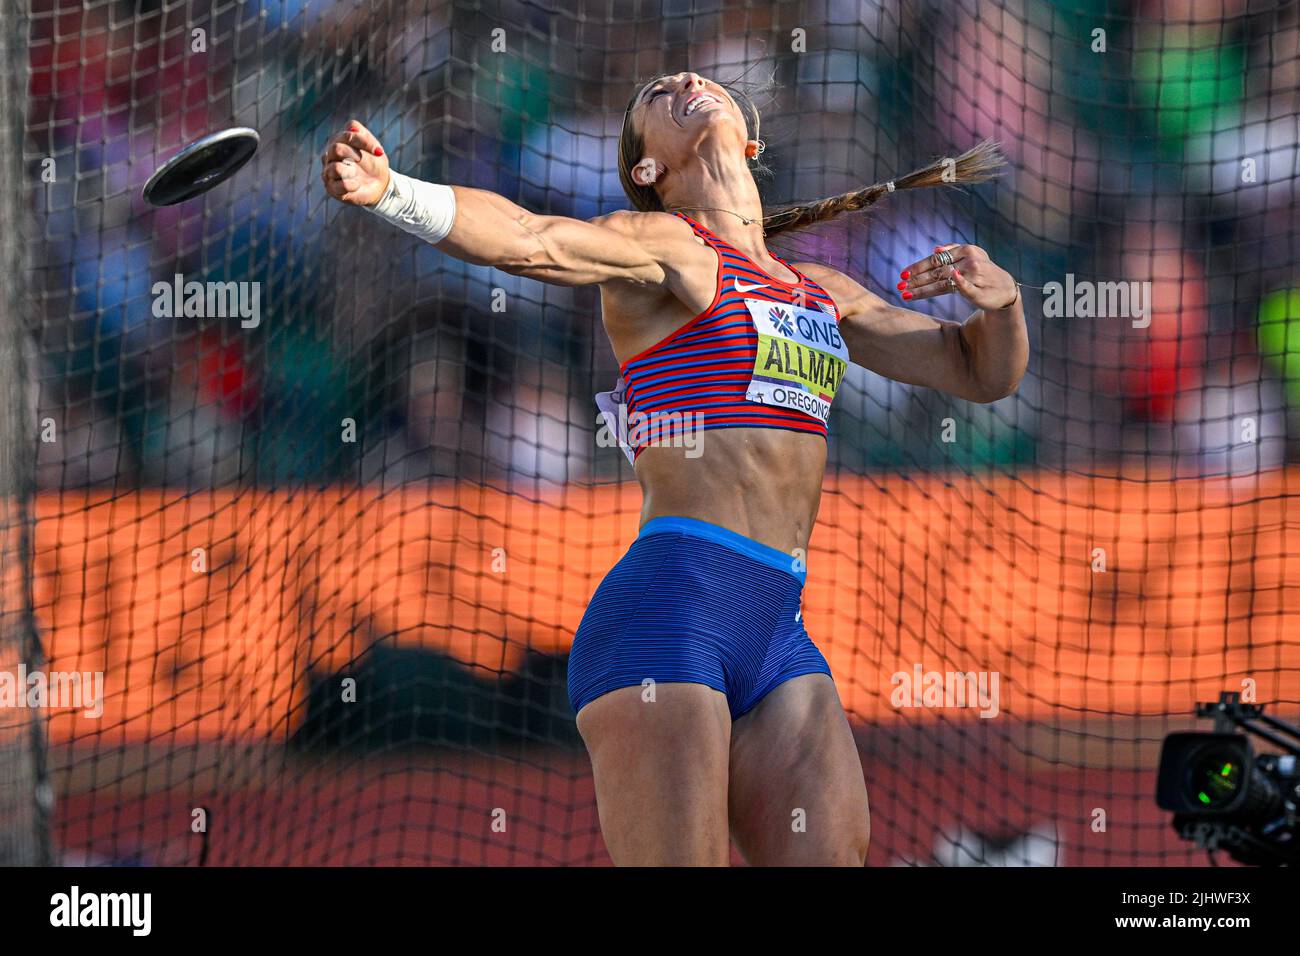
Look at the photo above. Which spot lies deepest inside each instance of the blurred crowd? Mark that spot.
(1152, 142)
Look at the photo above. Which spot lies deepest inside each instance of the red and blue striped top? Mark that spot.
(764, 354)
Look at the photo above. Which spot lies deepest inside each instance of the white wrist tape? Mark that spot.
(425, 210)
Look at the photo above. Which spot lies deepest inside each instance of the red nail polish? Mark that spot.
(907, 295)
(905, 274)
(355, 128)
(902, 286)
(379, 150)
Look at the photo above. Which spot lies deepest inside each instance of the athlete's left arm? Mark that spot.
(981, 359)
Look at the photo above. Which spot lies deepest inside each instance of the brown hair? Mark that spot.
(978, 164)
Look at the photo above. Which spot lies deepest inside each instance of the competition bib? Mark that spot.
(800, 360)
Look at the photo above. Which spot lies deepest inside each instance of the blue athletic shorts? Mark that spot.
(692, 602)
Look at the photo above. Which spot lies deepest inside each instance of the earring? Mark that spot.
(650, 168)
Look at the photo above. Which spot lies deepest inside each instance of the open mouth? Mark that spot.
(701, 101)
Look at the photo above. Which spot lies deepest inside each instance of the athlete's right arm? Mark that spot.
(487, 229)
(491, 230)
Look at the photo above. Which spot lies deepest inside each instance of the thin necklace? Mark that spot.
(746, 221)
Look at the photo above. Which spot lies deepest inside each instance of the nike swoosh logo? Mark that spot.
(740, 287)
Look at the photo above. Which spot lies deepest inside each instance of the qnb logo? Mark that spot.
(780, 320)
(76, 909)
(819, 333)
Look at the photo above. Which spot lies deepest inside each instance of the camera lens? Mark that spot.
(1215, 777)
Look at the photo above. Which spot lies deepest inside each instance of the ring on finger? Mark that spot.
(944, 258)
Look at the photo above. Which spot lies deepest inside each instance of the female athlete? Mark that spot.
(707, 711)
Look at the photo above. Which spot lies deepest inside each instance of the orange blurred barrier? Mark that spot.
(210, 613)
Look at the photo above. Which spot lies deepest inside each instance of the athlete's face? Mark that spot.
(676, 114)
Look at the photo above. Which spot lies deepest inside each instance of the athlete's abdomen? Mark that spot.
(762, 483)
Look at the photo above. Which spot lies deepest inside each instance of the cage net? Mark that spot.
(24, 796)
(313, 510)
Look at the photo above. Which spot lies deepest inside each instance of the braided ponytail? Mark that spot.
(978, 164)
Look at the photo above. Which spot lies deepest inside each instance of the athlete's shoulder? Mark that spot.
(849, 294)
(645, 226)
(661, 236)
(824, 275)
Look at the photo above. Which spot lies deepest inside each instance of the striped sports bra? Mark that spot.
(764, 354)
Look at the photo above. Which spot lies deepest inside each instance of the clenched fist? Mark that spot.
(354, 168)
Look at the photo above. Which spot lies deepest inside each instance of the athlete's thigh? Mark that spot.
(797, 794)
(660, 764)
